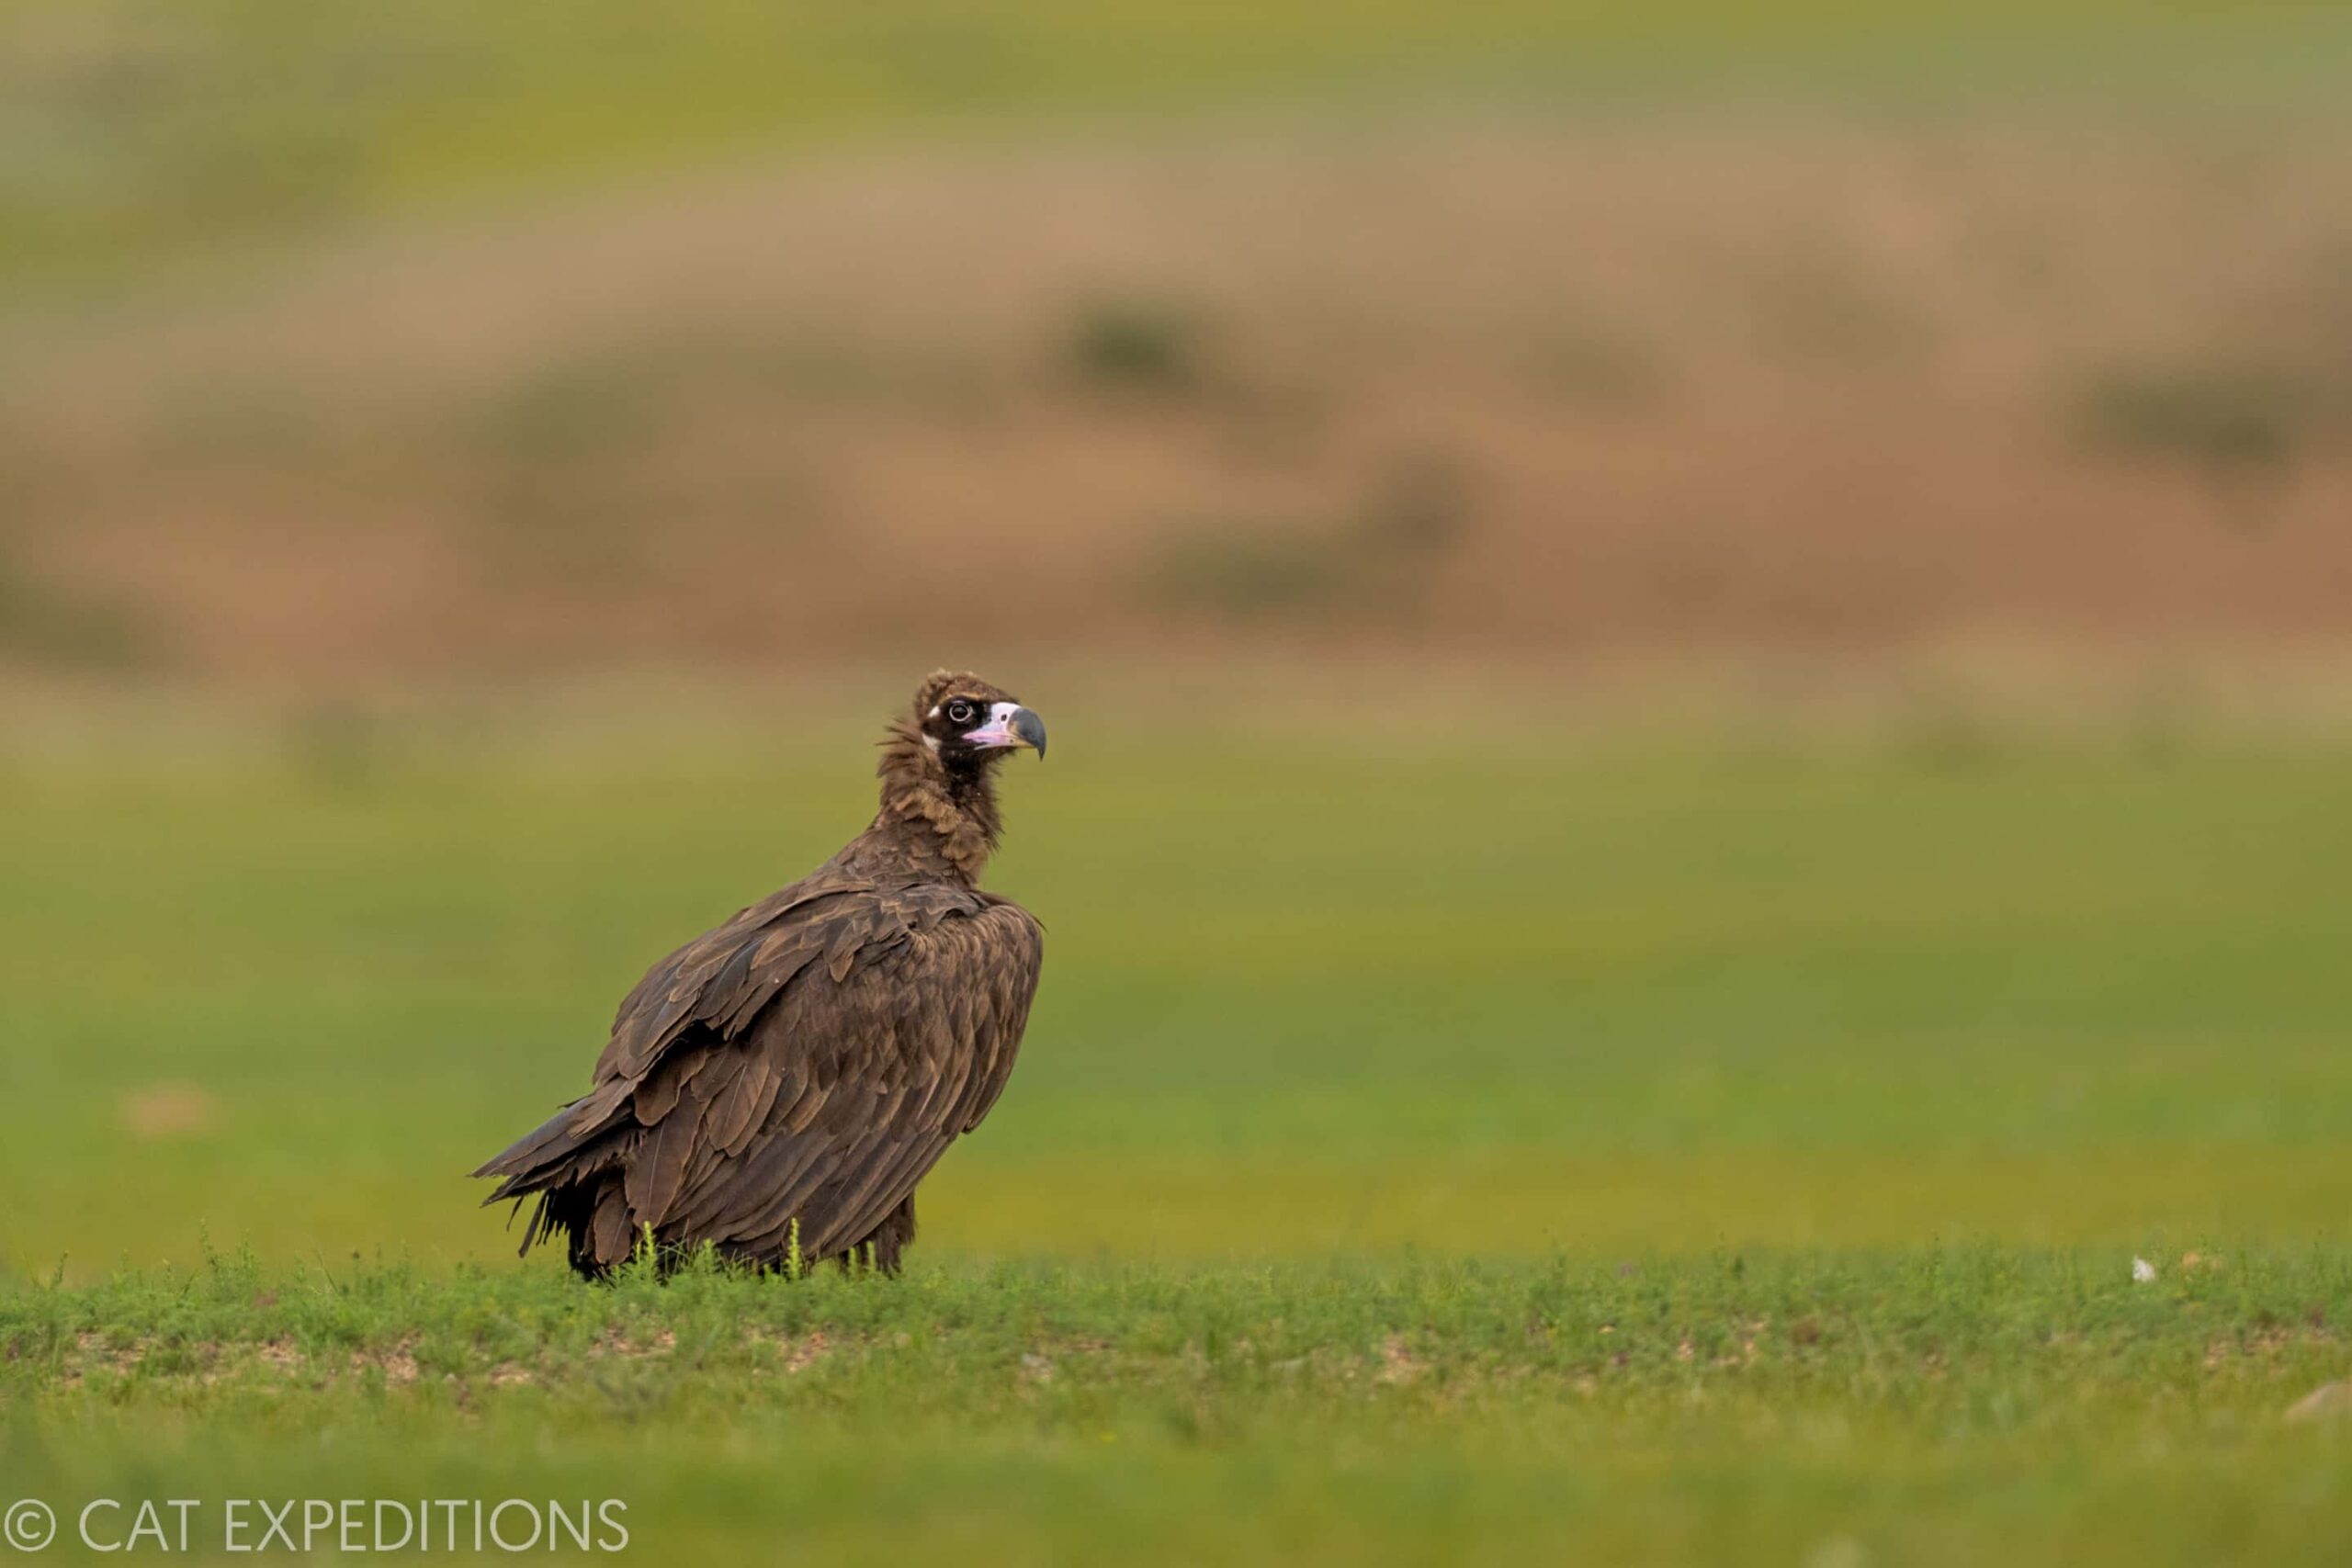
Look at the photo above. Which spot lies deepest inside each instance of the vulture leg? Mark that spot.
(889, 1238)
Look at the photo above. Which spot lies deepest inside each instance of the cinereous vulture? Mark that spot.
(779, 1085)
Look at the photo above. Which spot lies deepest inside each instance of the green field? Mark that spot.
(1323, 995)
(1461, 1121)
(1928, 1406)
(1429, 1136)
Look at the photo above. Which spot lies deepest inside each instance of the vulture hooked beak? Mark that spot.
(1010, 725)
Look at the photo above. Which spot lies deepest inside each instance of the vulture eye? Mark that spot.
(959, 712)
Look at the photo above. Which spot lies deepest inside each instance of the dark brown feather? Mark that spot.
(796, 1071)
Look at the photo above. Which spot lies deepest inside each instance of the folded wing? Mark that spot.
(789, 1077)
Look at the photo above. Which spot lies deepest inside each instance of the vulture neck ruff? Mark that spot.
(942, 819)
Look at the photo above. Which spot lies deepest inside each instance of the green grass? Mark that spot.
(1395, 1112)
(1306, 999)
(1933, 1406)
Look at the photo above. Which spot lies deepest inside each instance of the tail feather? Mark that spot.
(518, 1155)
(569, 1169)
(541, 1155)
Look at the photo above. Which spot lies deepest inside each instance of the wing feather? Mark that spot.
(608, 1229)
(736, 1107)
(655, 1176)
(893, 1063)
(806, 1062)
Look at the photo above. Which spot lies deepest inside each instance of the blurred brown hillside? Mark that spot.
(1485, 384)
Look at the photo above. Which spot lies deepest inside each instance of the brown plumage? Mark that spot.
(788, 1077)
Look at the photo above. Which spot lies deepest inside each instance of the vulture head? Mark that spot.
(939, 771)
(968, 725)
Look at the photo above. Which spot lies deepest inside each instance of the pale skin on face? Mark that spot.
(997, 732)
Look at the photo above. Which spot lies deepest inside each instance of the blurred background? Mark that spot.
(1664, 626)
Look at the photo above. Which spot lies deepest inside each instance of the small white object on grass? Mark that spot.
(2142, 1271)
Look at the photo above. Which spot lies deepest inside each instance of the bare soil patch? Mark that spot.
(1491, 386)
